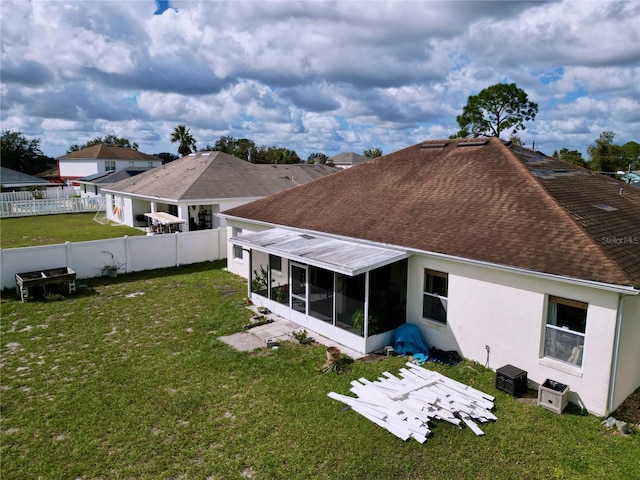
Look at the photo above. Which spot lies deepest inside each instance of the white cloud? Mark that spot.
(314, 76)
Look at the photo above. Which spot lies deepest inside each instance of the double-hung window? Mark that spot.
(565, 330)
(237, 249)
(434, 304)
(110, 165)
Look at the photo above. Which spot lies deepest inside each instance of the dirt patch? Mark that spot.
(629, 411)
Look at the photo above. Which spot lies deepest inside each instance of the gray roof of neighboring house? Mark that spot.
(107, 178)
(211, 175)
(104, 151)
(477, 199)
(12, 178)
(348, 158)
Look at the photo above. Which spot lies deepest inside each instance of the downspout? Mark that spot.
(248, 275)
(616, 354)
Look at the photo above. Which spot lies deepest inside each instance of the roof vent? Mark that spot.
(555, 173)
(533, 160)
(307, 236)
(605, 207)
(475, 143)
(434, 145)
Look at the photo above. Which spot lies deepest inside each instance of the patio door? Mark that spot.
(299, 293)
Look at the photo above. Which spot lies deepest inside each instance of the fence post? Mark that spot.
(127, 253)
(67, 252)
(177, 245)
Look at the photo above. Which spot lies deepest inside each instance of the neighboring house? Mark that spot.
(12, 180)
(93, 184)
(501, 253)
(347, 160)
(102, 158)
(196, 187)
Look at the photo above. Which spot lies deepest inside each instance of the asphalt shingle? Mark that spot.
(483, 200)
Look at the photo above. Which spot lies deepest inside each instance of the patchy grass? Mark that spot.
(127, 379)
(52, 229)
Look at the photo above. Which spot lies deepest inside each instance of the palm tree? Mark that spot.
(187, 143)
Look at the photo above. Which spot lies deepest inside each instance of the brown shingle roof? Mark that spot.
(479, 200)
(210, 175)
(109, 152)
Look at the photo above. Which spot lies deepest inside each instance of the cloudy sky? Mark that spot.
(313, 76)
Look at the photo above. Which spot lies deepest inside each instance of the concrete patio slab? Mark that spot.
(280, 330)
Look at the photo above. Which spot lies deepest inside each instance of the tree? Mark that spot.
(107, 140)
(607, 157)
(240, 148)
(372, 153)
(166, 157)
(516, 140)
(186, 142)
(571, 156)
(320, 159)
(495, 109)
(281, 155)
(21, 154)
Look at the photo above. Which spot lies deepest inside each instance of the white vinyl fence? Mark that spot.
(46, 206)
(43, 193)
(130, 254)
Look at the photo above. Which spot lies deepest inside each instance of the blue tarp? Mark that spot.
(408, 340)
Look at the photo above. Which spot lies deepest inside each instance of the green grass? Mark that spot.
(127, 378)
(52, 229)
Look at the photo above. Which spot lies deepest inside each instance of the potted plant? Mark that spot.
(111, 270)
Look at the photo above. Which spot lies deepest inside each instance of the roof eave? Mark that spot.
(621, 289)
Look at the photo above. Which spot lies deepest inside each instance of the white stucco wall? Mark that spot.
(627, 370)
(507, 312)
(78, 168)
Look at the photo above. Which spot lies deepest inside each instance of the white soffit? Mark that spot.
(349, 258)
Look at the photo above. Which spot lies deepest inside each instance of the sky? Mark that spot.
(313, 76)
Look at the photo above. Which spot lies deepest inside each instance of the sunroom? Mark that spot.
(352, 293)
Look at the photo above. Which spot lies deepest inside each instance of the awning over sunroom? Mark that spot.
(164, 218)
(349, 258)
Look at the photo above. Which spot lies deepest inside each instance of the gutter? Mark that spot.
(621, 289)
(616, 354)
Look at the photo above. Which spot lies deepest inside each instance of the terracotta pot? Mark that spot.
(333, 354)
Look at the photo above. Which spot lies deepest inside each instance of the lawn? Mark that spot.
(51, 229)
(127, 379)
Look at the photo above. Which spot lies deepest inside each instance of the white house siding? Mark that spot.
(78, 168)
(507, 312)
(234, 265)
(628, 365)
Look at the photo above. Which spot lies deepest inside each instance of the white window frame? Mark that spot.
(109, 165)
(238, 255)
(558, 338)
(444, 299)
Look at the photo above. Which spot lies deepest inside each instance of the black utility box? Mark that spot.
(512, 380)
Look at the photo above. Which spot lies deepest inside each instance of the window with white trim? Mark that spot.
(237, 249)
(110, 165)
(565, 330)
(436, 288)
